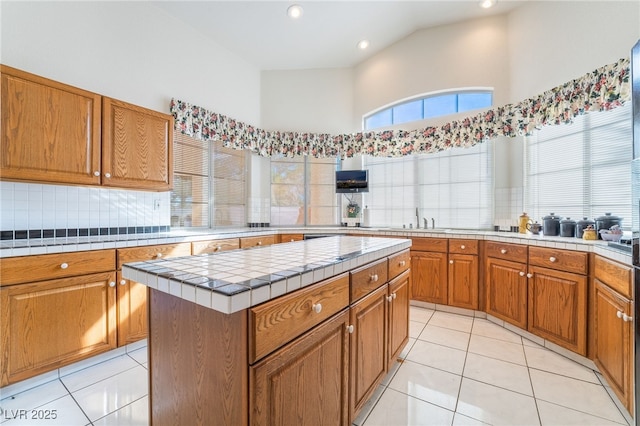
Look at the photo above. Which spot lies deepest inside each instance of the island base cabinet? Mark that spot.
(50, 324)
(304, 383)
(197, 364)
(369, 356)
(398, 314)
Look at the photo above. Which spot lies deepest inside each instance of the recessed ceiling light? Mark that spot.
(294, 11)
(363, 44)
(487, 3)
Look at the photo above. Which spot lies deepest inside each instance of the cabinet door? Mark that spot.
(132, 310)
(463, 281)
(506, 291)
(49, 324)
(50, 131)
(368, 347)
(613, 341)
(429, 277)
(305, 382)
(398, 314)
(137, 147)
(558, 307)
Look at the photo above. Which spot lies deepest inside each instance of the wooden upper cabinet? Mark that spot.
(137, 147)
(50, 131)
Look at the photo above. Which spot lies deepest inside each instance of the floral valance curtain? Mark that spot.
(602, 89)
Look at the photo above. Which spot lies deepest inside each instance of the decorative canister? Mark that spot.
(607, 221)
(567, 227)
(551, 225)
(581, 225)
(589, 233)
(522, 224)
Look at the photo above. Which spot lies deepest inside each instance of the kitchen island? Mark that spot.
(296, 333)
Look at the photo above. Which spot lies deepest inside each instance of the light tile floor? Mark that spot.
(457, 370)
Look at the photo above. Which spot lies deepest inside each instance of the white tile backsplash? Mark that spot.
(38, 206)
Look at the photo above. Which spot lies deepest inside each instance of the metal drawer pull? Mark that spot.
(402, 263)
(522, 273)
(389, 298)
(64, 266)
(107, 175)
(394, 295)
(112, 284)
(462, 247)
(96, 173)
(158, 255)
(552, 259)
(374, 277)
(292, 240)
(317, 308)
(123, 282)
(503, 251)
(350, 329)
(259, 243)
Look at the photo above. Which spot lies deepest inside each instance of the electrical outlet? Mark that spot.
(156, 204)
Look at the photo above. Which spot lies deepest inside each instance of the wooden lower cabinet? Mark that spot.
(369, 356)
(557, 307)
(506, 290)
(305, 382)
(398, 314)
(429, 277)
(50, 324)
(132, 310)
(463, 281)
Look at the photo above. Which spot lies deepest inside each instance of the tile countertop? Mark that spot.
(25, 247)
(234, 280)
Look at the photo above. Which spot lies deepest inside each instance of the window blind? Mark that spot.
(582, 169)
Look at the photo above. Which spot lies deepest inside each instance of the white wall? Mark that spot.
(309, 100)
(131, 51)
(553, 42)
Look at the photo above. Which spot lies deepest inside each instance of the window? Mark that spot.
(428, 106)
(583, 169)
(453, 187)
(205, 168)
(303, 191)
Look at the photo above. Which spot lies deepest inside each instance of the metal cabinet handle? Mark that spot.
(503, 251)
(626, 318)
(389, 298)
(317, 308)
(529, 275)
(619, 314)
(107, 175)
(112, 284)
(394, 295)
(64, 266)
(123, 282)
(552, 259)
(350, 329)
(96, 173)
(522, 273)
(451, 262)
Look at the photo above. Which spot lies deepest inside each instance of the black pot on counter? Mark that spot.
(551, 225)
(568, 228)
(581, 225)
(606, 222)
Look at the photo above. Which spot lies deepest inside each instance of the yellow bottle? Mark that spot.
(522, 224)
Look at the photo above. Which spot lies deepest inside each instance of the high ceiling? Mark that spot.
(328, 31)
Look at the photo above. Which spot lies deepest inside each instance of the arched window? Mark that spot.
(429, 105)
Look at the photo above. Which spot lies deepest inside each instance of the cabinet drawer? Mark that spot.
(263, 240)
(615, 275)
(463, 246)
(289, 238)
(513, 252)
(562, 260)
(368, 278)
(214, 246)
(279, 321)
(162, 251)
(15, 270)
(429, 244)
(398, 263)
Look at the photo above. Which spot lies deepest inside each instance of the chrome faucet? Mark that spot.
(433, 223)
(418, 219)
(425, 223)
